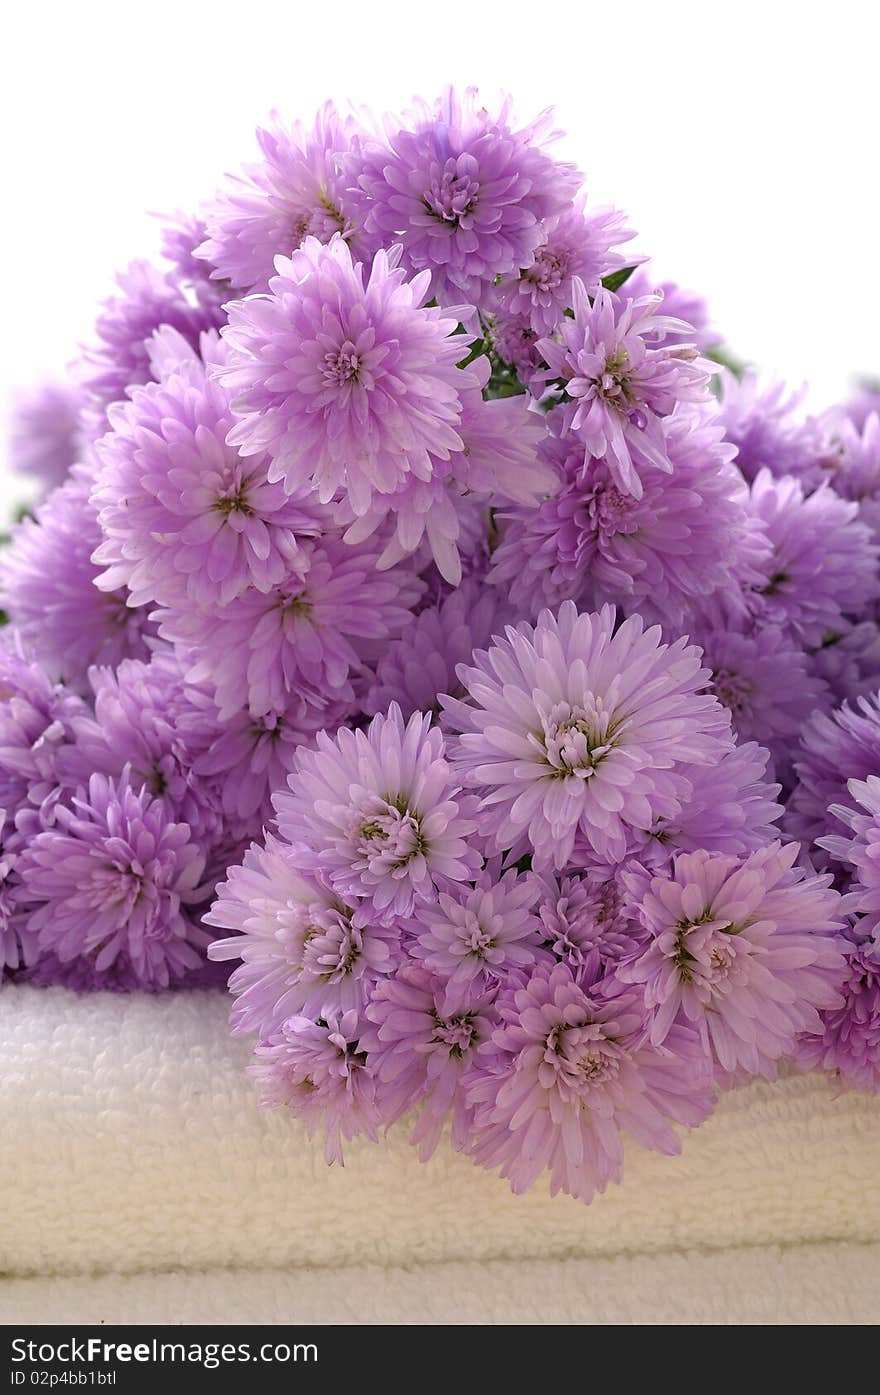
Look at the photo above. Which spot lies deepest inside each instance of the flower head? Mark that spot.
(744, 950)
(765, 680)
(16, 943)
(302, 949)
(463, 190)
(116, 881)
(296, 191)
(498, 462)
(577, 243)
(848, 1044)
(317, 1070)
(732, 809)
(380, 814)
(681, 304)
(619, 383)
(300, 637)
(146, 299)
(37, 724)
(184, 516)
(474, 936)
(249, 757)
(834, 748)
(861, 848)
(823, 563)
(416, 668)
(770, 431)
(347, 379)
(44, 433)
(48, 588)
(140, 723)
(420, 1044)
(587, 922)
(567, 1074)
(857, 475)
(687, 537)
(569, 726)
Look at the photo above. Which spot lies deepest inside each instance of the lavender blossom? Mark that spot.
(464, 191)
(316, 1070)
(570, 726)
(619, 384)
(48, 588)
(115, 880)
(379, 813)
(745, 951)
(567, 1074)
(296, 191)
(303, 950)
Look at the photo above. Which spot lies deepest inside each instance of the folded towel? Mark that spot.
(132, 1141)
(830, 1283)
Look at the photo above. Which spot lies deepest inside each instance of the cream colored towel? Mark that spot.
(132, 1142)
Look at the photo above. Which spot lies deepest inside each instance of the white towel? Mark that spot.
(132, 1142)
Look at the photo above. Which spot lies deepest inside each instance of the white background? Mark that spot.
(741, 139)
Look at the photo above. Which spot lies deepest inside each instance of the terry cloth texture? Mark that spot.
(132, 1142)
(809, 1284)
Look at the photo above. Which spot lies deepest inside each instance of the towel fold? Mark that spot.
(132, 1141)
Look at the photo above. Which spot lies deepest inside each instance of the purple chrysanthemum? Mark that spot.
(146, 300)
(465, 193)
(567, 1074)
(48, 588)
(586, 922)
(44, 433)
(770, 431)
(296, 191)
(619, 383)
(115, 880)
(515, 343)
(577, 243)
(184, 516)
(823, 563)
(570, 726)
(303, 950)
(379, 812)
(37, 724)
(347, 379)
(420, 1043)
(498, 462)
(140, 723)
(475, 936)
(732, 809)
(301, 637)
(743, 950)
(834, 748)
(848, 660)
(864, 401)
(861, 847)
(181, 235)
(688, 535)
(249, 757)
(317, 1070)
(16, 942)
(765, 680)
(684, 305)
(418, 667)
(849, 1042)
(857, 475)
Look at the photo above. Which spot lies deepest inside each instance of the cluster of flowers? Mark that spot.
(418, 598)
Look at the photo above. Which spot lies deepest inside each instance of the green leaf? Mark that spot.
(617, 278)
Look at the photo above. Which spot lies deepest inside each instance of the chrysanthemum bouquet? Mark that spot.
(420, 599)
